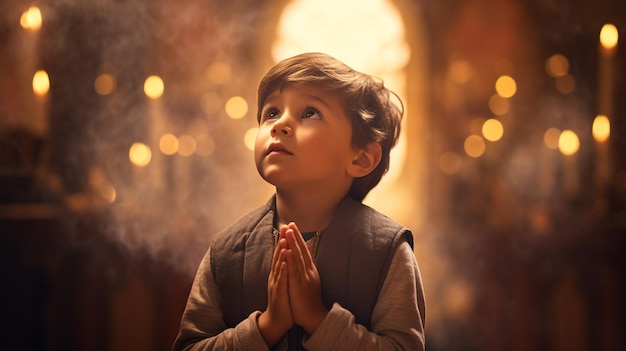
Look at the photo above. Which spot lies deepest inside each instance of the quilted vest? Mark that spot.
(352, 258)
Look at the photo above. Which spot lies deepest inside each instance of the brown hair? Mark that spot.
(374, 117)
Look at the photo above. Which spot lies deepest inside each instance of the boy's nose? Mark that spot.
(281, 125)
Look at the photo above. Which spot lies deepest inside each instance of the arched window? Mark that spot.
(369, 36)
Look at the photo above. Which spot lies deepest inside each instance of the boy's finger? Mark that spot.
(302, 246)
(295, 253)
(277, 258)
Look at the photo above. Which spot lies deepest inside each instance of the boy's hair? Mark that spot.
(373, 116)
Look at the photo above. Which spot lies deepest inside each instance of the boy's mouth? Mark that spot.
(277, 148)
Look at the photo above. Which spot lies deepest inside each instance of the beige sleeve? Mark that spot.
(202, 326)
(397, 319)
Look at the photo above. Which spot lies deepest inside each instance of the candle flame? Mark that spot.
(31, 19)
(601, 128)
(609, 36)
(41, 83)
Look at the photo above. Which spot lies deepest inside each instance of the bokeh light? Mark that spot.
(569, 143)
(105, 84)
(609, 36)
(493, 129)
(250, 137)
(31, 19)
(601, 128)
(140, 154)
(236, 107)
(474, 146)
(551, 138)
(154, 87)
(506, 86)
(168, 144)
(186, 145)
(557, 65)
(41, 83)
(498, 105)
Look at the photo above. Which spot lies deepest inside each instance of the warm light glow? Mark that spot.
(219, 73)
(601, 129)
(609, 36)
(186, 145)
(551, 138)
(569, 142)
(168, 144)
(557, 65)
(154, 87)
(474, 146)
(450, 163)
(371, 39)
(105, 84)
(204, 145)
(498, 105)
(31, 19)
(250, 137)
(140, 154)
(41, 83)
(506, 86)
(565, 84)
(236, 107)
(493, 130)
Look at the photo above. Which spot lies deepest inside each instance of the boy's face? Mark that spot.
(304, 139)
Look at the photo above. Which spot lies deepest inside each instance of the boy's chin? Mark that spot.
(278, 181)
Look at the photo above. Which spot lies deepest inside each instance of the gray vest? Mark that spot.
(352, 258)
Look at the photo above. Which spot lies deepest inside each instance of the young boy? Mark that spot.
(313, 268)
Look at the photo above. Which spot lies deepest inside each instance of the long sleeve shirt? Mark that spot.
(397, 320)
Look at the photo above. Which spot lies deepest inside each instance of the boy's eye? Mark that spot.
(271, 114)
(311, 113)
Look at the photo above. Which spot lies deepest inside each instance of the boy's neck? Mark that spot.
(310, 211)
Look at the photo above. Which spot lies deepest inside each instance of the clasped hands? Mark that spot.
(294, 291)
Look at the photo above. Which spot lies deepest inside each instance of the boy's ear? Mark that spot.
(365, 160)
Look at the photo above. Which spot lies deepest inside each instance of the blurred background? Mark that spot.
(125, 144)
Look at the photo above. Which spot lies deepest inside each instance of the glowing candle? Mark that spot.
(154, 88)
(608, 46)
(36, 119)
(608, 40)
